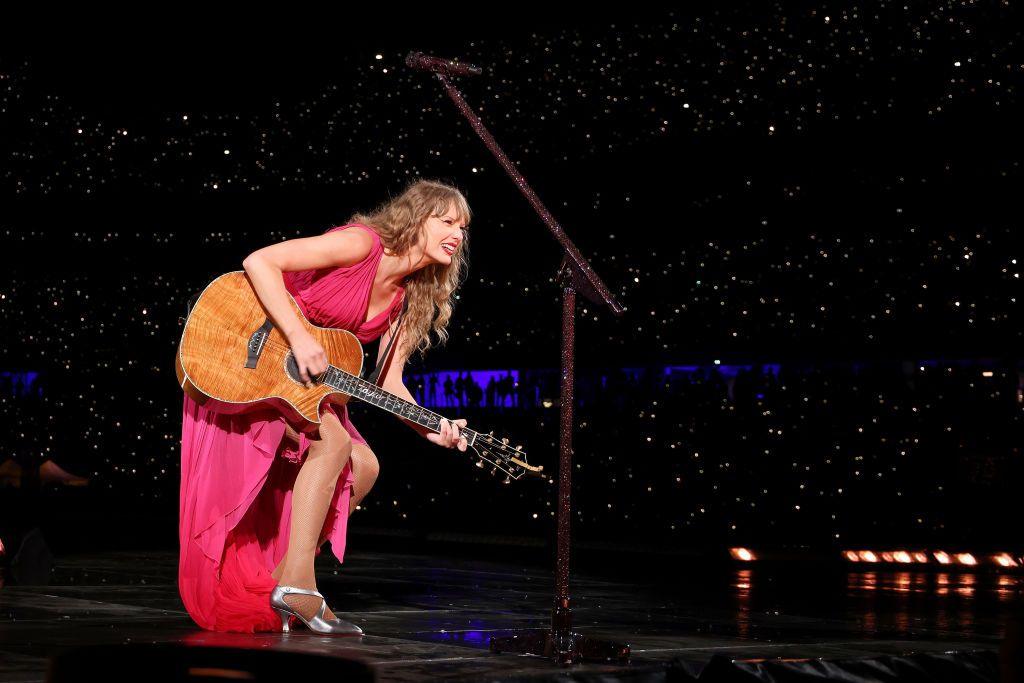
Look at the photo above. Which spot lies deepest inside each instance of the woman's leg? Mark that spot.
(314, 487)
(365, 469)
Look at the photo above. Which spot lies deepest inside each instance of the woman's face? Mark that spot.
(444, 235)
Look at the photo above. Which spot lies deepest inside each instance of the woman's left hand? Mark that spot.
(450, 436)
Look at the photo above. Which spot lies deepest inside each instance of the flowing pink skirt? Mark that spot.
(235, 514)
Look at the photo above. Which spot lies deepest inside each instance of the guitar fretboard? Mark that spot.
(357, 387)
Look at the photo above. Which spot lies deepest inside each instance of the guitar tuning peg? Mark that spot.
(479, 463)
(494, 470)
(504, 441)
(508, 479)
(490, 433)
(519, 448)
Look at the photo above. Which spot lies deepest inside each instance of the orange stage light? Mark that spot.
(742, 554)
(1005, 560)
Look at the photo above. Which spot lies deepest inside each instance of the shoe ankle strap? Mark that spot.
(292, 590)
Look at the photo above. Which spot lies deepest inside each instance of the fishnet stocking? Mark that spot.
(311, 498)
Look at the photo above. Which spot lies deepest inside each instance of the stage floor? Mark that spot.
(430, 617)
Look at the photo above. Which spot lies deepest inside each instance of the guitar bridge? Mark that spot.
(257, 340)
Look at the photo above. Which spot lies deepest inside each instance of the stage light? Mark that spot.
(1005, 560)
(901, 556)
(886, 557)
(986, 373)
(920, 557)
(966, 558)
(851, 556)
(941, 557)
(742, 554)
(868, 556)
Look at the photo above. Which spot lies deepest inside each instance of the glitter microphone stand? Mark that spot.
(575, 275)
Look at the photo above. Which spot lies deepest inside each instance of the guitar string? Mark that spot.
(358, 381)
(269, 343)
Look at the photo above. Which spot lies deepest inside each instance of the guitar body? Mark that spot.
(231, 359)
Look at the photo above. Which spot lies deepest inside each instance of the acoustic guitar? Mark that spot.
(231, 359)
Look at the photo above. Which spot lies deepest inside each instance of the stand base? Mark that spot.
(564, 648)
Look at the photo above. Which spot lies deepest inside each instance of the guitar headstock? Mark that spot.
(502, 457)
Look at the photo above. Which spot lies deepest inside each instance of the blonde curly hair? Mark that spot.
(400, 223)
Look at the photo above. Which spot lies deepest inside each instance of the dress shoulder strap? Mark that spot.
(376, 247)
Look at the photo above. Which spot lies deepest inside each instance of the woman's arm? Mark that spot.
(450, 435)
(265, 267)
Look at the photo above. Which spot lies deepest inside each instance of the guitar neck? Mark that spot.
(368, 392)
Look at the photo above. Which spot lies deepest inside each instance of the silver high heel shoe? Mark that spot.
(317, 623)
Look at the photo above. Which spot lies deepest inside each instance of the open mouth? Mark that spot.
(448, 248)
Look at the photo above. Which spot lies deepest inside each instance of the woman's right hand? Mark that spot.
(309, 356)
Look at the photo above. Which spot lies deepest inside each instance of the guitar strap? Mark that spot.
(372, 377)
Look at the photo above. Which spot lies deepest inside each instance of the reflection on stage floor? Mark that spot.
(431, 616)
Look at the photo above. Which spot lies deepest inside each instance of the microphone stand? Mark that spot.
(574, 275)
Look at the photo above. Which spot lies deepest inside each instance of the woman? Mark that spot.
(258, 499)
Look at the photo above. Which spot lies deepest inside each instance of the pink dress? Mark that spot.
(235, 498)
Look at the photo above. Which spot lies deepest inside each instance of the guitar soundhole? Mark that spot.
(291, 368)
